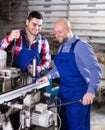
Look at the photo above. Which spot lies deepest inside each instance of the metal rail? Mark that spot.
(5, 97)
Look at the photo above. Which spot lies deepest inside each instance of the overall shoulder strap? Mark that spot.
(74, 44)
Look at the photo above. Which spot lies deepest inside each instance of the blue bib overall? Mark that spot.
(72, 87)
(25, 57)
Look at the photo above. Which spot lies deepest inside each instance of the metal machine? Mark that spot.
(32, 111)
(9, 72)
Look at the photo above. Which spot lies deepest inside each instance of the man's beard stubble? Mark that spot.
(65, 40)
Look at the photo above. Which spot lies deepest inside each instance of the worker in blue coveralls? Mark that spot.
(80, 76)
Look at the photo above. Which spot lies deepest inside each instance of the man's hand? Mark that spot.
(42, 80)
(15, 34)
(88, 98)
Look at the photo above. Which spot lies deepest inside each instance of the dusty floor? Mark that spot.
(98, 117)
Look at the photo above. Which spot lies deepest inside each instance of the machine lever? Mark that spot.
(68, 103)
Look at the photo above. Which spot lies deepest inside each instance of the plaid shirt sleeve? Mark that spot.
(45, 56)
(4, 43)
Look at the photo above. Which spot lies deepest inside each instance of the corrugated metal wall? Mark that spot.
(87, 17)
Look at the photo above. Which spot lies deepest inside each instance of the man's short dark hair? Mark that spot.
(35, 14)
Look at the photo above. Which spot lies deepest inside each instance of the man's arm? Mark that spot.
(50, 75)
(45, 57)
(5, 42)
(90, 70)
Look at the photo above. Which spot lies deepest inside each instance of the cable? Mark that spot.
(20, 126)
(59, 120)
(58, 102)
(58, 99)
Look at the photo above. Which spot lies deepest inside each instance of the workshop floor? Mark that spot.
(97, 117)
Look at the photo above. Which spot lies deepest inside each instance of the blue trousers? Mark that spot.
(75, 117)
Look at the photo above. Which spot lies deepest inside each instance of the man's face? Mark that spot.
(61, 33)
(34, 25)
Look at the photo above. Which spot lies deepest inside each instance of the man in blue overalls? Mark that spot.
(80, 75)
